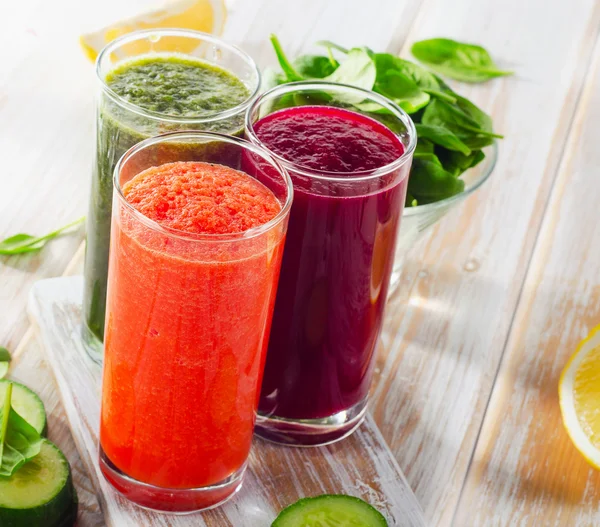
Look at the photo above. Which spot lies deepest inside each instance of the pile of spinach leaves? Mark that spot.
(451, 130)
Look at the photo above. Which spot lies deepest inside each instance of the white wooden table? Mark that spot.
(491, 304)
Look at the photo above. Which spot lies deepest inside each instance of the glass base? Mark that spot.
(93, 345)
(311, 432)
(173, 501)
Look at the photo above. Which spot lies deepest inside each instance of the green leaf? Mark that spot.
(19, 441)
(424, 146)
(441, 136)
(441, 113)
(272, 78)
(457, 60)
(289, 71)
(441, 95)
(313, 66)
(4, 419)
(475, 141)
(334, 63)
(421, 77)
(457, 163)
(402, 90)
(26, 243)
(357, 70)
(483, 120)
(331, 45)
(4, 355)
(429, 181)
(5, 359)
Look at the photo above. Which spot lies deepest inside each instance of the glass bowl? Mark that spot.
(416, 221)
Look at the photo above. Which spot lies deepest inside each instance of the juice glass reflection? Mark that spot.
(188, 317)
(348, 152)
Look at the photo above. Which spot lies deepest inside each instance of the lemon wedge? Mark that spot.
(201, 15)
(579, 395)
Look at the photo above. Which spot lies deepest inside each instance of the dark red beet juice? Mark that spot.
(336, 266)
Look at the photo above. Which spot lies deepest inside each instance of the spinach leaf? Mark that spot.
(5, 359)
(442, 136)
(19, 441)
(402, 90)
(475, 141)
(289, 70)
(451, 129)
(26, 243)
(334, 63)
(429, 181)
(441, 113)
(331, 45)
(476, 114)
(357, 70)
(457, 163)
(313, 66)
(272, 78)
(457, 60)
(424, 146)
(420, 76)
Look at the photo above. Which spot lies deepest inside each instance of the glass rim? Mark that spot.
(357, 175)
(205, 237)
(174, 32)
(492, 158)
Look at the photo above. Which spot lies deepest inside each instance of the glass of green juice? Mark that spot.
(152, 82)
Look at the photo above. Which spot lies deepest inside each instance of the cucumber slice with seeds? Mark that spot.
(40, 493)
(330, 510)
(27, 404)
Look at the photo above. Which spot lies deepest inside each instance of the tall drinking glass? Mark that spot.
(152, 82)
(348, 152)
(188, 315)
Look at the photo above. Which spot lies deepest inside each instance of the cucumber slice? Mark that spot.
(330, 510)
(27, 404)
(40, 493)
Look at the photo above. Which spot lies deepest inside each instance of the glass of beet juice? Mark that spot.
(195, 253)
(152, 82)
(348, 152)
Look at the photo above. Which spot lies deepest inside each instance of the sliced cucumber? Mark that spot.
(40, 493)
(330, 510)
(27, 404)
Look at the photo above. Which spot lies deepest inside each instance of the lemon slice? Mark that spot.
(201, 15)
(579, 395)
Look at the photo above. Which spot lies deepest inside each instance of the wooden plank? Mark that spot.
(362, 465)
(447, 326)
(525, 470)
(29, 367)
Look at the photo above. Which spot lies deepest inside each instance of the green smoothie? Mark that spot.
(151, 94)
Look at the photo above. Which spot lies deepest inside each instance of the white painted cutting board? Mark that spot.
(361, 465)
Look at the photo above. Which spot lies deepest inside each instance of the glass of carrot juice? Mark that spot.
(195, 253)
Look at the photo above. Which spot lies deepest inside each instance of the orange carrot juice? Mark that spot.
(190, 299)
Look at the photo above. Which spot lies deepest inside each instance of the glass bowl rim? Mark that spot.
(492, 159)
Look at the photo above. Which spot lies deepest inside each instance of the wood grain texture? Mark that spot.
(46, 81)
(447, 326)
(525, 470)
(362, 465)
(31, 369)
